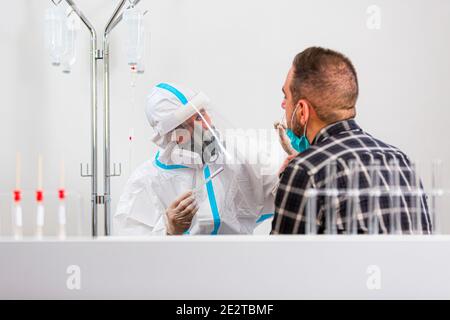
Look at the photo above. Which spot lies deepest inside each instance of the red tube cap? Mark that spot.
(39, 196)
(17, 195)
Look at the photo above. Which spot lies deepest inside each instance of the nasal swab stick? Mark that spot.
(215, 173)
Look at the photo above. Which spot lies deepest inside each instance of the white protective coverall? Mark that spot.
(234, 202)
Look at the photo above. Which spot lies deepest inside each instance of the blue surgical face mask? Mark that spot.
(300, 144)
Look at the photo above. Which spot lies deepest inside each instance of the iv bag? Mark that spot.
(140, 67)
(69, 54)
(55, 20)
(133, 19)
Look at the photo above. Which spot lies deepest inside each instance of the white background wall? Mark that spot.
(236, 51)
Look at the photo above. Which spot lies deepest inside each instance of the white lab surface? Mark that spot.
(228, 267)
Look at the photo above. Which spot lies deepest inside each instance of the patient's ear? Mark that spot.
(303, 112)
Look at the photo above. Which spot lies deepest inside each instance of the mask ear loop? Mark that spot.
(304, 130)
(292, 118)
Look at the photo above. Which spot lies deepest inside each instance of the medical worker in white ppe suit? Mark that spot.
(167, 195)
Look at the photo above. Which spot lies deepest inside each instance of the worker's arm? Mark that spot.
(269, 172)
(138, 212)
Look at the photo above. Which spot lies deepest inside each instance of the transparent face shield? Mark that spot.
(198, 129)
(210, 135)
(201, 133)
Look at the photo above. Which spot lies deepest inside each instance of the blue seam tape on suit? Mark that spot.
(209, 185)
(167, 166)
(264, 217)
(175, 91)
(212, 201)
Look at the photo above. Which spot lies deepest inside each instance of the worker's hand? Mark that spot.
(180, 214)
(286, 163)
(284, 139)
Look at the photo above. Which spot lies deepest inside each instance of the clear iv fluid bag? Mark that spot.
(55, 20)
(133, 19)
(140, 68)
(69, 54)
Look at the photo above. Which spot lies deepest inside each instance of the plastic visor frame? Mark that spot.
(191, 107)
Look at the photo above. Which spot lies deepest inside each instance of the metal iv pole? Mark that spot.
(113, 21)
(94, 98)
(96, 55)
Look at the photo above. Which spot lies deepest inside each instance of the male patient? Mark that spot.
(320, 91)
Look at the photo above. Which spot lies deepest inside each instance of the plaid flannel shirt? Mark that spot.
(344, 143)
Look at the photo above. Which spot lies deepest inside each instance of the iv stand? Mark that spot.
(113, 21)
(96, 55)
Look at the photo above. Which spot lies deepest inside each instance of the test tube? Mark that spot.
(40, 212)
(419, 198)
(62, 214)
(374, 198)
(394, 197)
(415, 199)
(436, 193)
(352, 191)
(17, 214)
(62, 205)
(311, 212)
(330, 198)
(17, 207)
